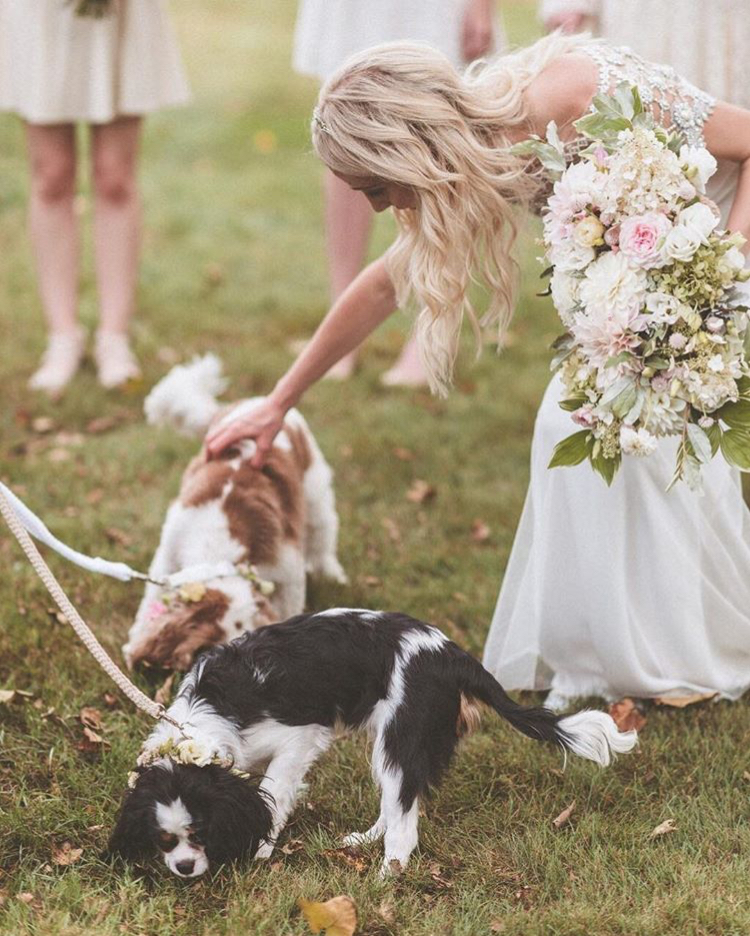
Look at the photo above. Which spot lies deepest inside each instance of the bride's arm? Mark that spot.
(727, 136)
(368, 301)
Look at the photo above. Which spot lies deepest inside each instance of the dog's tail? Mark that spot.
(589, 734)
(186, 398)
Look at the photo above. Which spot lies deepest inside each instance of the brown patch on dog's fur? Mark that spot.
(191, 627)
(204, 480)
(266, 507)
(469, 715)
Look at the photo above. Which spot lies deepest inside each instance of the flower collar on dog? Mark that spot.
(187, 751)
(191, 592)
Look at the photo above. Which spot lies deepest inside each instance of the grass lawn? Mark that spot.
(233, 262)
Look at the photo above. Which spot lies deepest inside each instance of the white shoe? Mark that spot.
(115, 362)
(60, 362)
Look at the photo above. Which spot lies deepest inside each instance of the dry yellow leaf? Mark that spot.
(559, 821)
(66, 855)
(663, 828)
(337, 917)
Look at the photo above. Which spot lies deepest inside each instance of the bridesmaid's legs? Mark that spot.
(55, 240)
(348, 222)
(117, 240)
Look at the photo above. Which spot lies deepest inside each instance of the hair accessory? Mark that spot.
(320, 123)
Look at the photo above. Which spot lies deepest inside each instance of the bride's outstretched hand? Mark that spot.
(262, 423)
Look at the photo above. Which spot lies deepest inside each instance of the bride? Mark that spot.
(627, 590)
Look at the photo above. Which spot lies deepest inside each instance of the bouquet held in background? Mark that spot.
(651, 293)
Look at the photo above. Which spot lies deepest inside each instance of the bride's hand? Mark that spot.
(262, 424)
(477, 30)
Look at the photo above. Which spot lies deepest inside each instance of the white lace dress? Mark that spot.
(627, 590)
(706, 41)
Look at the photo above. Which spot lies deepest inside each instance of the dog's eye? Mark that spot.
(167, 842)
(195, 838)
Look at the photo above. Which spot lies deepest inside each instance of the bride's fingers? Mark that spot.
(222, 438)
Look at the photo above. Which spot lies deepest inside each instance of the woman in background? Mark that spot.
(327, 33)
(59, 67)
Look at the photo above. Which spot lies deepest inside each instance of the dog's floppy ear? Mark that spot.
(133, 837)
(240, 818)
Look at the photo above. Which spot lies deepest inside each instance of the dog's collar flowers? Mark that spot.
(192, 592)
(187, 751)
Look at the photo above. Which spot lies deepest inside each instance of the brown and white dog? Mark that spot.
(271, 525)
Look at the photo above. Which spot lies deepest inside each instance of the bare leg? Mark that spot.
(55, 240)
(408, 370)
(348, 223)
(117, 237)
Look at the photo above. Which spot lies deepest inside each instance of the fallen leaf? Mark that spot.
(626, 715)
(559, 821)
(683, 701)
(265, 141)
(101, 424)
(114, 535)
(348, 856)
(213, 274)
(64, 438)
(292, 846)
(57, 455)
(480, 532)
(25, 897)
(14, 695)
(95, 496)
(663, 828)
(66, 855)
(403, 454)
(91, 743)
(110, 700)
(372, 580)
(392, 529)
(436, 873)
(387, 912)
(163, 694)
(167, 355)
(91, 718)
(42, 425)
(338, 916)
(420, 492)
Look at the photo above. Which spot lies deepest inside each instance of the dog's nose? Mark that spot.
(185, 867)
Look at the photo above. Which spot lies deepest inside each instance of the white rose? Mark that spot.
(570, 256)
(564, 288)
(700, 217)
(637, 441)
(734, 259)
(663, 308)
(681, 243)
(699, 164)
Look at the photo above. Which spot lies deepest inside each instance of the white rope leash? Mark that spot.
(118, 570)
(140, 699)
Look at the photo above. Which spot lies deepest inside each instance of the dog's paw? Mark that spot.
(391, 868)
(356, 838)
(264, 852)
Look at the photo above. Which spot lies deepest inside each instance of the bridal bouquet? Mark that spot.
(651, 294)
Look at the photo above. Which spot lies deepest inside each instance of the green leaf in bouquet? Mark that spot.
(714, 436)
(563, 347)
(658, 363)
(552, 160)
(599, 127)
(700, 443)
(735, 447)
(573, 403)
(620, 396)
(735, 415)
(573, 450)
(606, 467)
(620, 358)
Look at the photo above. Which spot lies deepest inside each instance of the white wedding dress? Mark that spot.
(627, 590)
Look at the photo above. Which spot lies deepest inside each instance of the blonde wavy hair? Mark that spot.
(401, 113)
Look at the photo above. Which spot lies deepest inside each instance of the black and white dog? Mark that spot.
(275, 698)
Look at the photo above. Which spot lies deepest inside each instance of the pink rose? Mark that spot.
(584, 416)
(640, 237)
